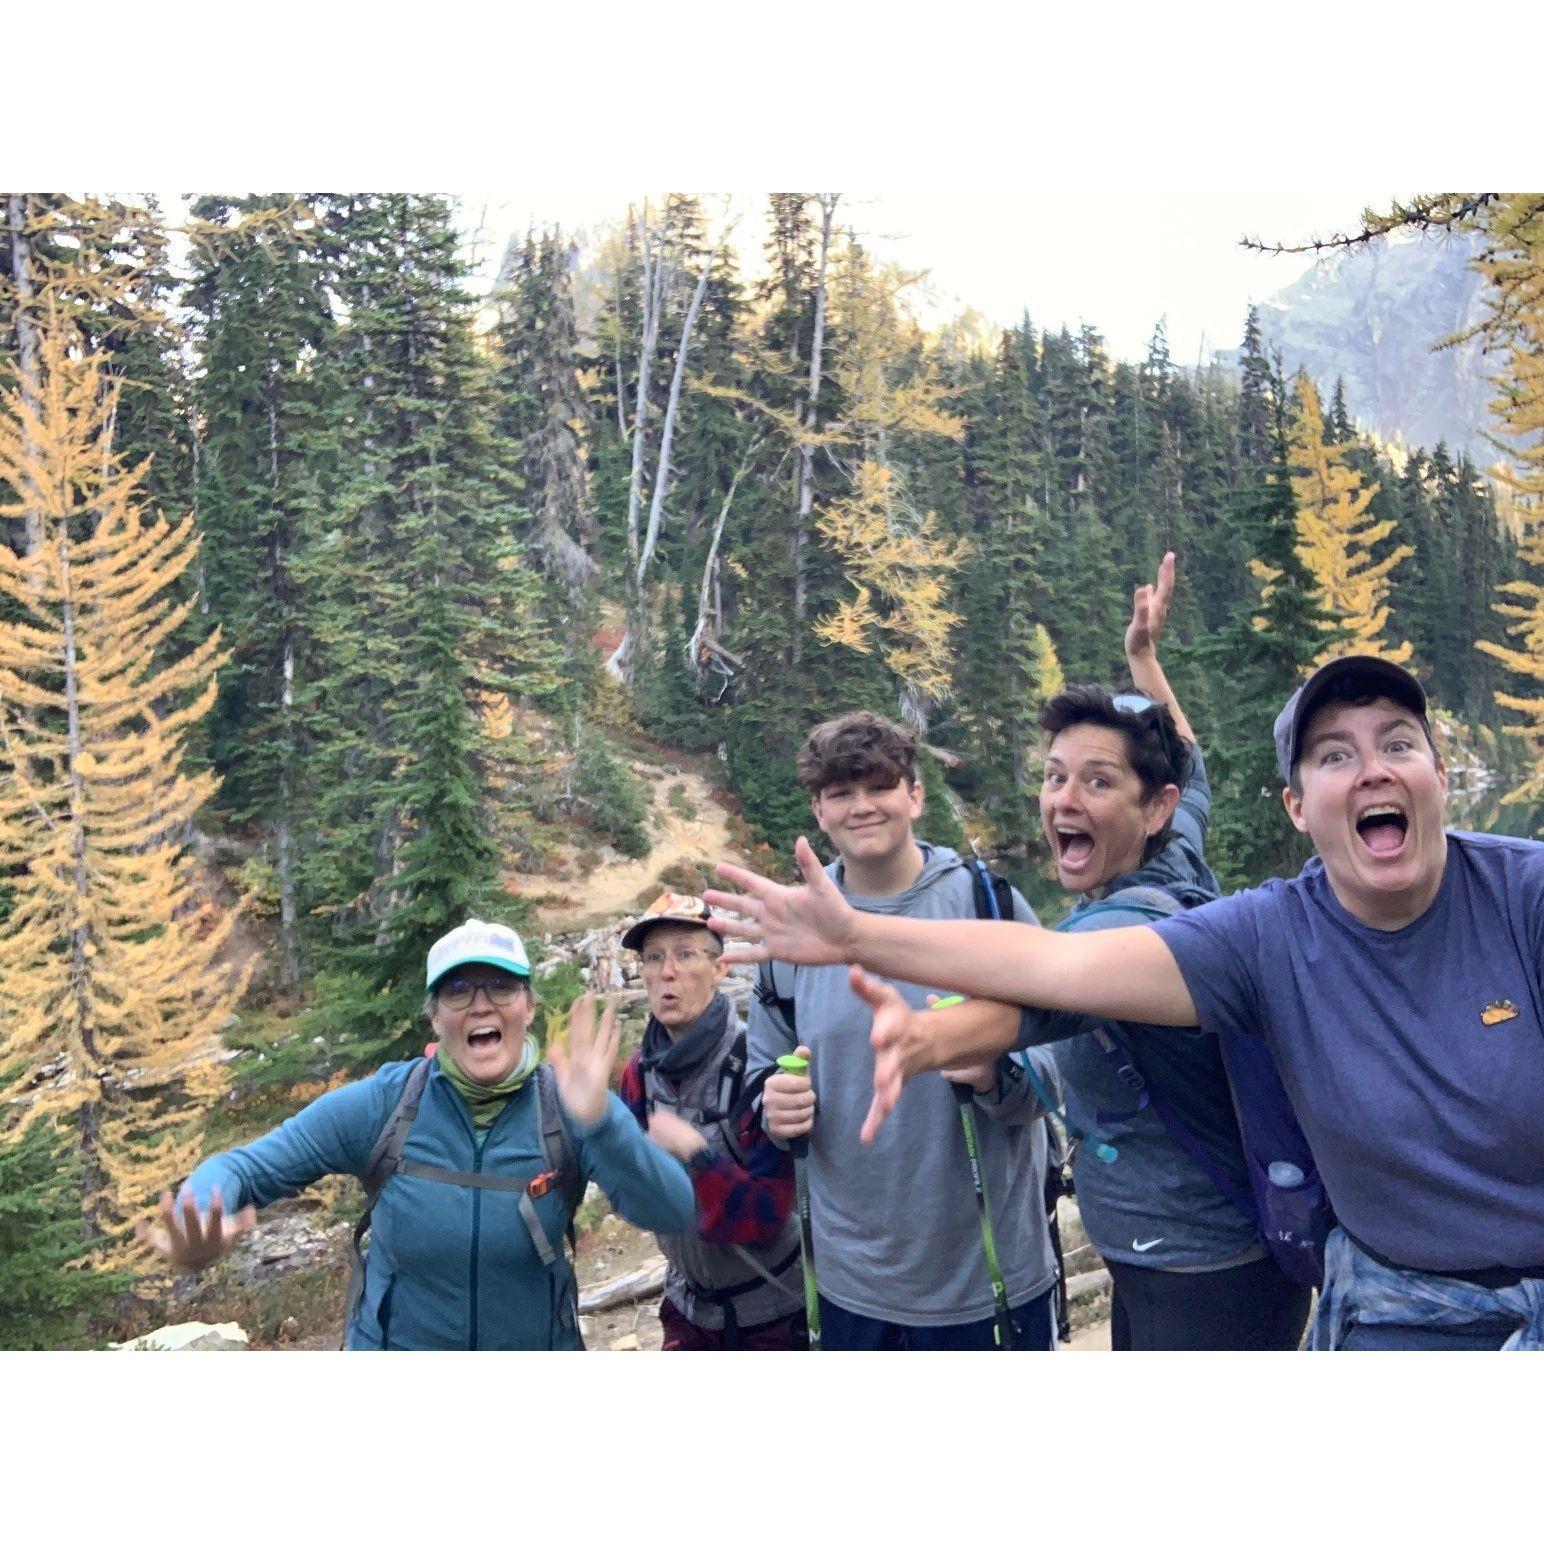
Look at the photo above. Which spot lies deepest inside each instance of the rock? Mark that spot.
(188, 1337)
(287, 1242)
(626, 1343)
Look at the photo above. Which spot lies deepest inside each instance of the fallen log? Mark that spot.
(1086, 1284)
(635, 1287)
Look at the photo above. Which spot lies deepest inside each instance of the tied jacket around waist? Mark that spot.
(453, 1267)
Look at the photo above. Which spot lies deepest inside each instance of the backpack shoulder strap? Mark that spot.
(557, 1147)
(562, 1169)
(768, 996)
(993, 893)
(1148, 902)
(387, 1152)
(383, 1161)
(731, 1079)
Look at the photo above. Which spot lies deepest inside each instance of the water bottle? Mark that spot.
(1296, 1216)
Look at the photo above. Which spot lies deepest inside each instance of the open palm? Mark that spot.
(584, 1068)
(190, 1240)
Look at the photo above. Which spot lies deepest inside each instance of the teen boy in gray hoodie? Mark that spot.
(898, 1243)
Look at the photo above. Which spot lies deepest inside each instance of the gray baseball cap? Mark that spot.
(1383, 680)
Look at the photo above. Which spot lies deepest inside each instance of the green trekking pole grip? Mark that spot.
(799, 1147)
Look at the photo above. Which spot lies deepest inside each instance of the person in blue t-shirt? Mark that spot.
(1398, 981)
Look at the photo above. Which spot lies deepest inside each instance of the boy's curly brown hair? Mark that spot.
(858, 747)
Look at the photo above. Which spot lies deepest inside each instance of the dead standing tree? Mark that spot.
(801, 533)
(660, 271)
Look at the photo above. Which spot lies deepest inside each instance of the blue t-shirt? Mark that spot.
(1414, 1059)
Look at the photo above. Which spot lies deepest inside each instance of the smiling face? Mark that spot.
(867, 822)
(484, 1038)
(1092, 812)
(682, 968)
(1372, 796)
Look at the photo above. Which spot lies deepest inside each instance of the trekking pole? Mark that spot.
(964, 1096)
(799, 1147)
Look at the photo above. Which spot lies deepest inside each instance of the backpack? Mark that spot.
(1293, 1220)
(561, 1171)
(993, 896)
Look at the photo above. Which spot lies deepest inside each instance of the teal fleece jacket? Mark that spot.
(451, 1267)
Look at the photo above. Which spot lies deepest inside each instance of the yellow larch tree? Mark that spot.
(1514, 264)
(1045, 670)
(1337, 540)
(892, 553)
(113, 990)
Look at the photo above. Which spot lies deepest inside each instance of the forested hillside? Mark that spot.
(314, 558)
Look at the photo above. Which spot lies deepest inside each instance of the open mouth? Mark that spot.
(1073, 848)
(484, 1039)
(1382, 829)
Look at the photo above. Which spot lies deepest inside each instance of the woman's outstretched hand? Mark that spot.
(808, 924)
(900, 1039)
(1149, 611)
(193, 1241)
(584, 1069)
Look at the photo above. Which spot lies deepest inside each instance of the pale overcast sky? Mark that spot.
(1117, 260)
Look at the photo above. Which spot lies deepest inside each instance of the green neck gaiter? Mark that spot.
(486, 1100)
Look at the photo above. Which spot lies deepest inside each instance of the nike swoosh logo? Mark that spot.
(1143, 1248)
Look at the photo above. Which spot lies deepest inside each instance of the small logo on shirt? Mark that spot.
(1499, 1011)
(1142, 1248)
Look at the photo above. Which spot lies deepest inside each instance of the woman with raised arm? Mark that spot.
(473, 1162)
(1161, 1175)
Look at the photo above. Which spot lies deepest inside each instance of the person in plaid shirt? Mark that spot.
(733, 1280)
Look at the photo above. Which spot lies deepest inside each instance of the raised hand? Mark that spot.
(899, 1040)
(788, 1102)
(678, 1137)
(1149, 610)
(808, 924)
(584, 1068)
(195, 1241)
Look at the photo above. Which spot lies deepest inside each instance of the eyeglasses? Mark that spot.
(655, 958)
(460, 993)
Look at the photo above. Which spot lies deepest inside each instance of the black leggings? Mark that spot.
(1251, 1307)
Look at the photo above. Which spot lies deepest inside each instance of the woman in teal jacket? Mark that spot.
(466, 1235)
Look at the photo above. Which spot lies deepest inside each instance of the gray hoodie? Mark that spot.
(896, 1231)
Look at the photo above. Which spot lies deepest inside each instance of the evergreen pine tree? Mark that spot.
(425, 606)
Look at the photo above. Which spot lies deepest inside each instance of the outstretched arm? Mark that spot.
(1119, 973)
(1149, 611)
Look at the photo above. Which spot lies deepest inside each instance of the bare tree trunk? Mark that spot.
(657, 275)
(26, 349)
(662, 471)
(199, 576)
(801, 534)
(284, 849)
(710, 567)
(653, 294)
(617, 361)
(93, 1180)
(284, 854)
